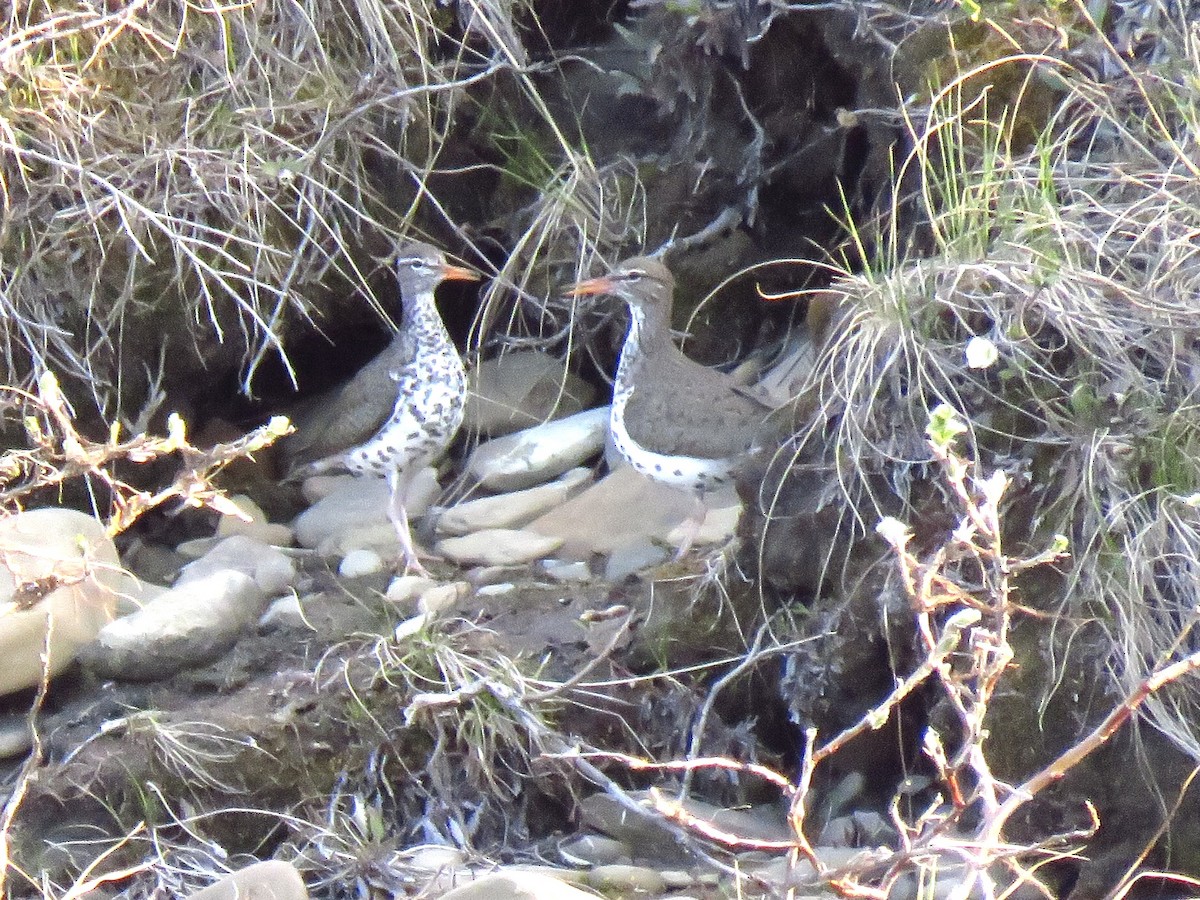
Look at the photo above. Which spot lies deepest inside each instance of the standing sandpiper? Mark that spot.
(674, 420)
(430, 384)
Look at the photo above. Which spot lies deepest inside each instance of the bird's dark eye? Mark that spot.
(634, 275)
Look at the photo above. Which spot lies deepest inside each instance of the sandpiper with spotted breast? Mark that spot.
(430, 384)
(673, 419)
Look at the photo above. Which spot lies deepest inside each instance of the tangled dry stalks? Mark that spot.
(58, 453)
(961, 597)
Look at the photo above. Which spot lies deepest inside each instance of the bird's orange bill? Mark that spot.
(601, 285)
(459, 273)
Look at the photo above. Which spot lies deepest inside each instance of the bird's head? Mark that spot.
(421, 267)
(643, 283)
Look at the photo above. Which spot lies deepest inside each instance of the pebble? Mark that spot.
(357, 563)
(520, 389)
(317, 487)
(65, 546)
(513, 509)
(644, 834)
(154, 562)
(441, 597)
(499, 589)
(536, 455)
(272, 569)
(485, 575)
(197, 547)
(558, 873)
(677, 880)
(352, 503)
(284, 611)
(411, 626)
(191, 624)
(625, 879)
(636, 556)
(15, 737)
(497, 547)
(434, 858)
(408, 588)
(606, 814)
(593, 850)
(255, 525)
(270, 880)
(615, 511)
(380, 537)
(562, 570)
(766, 822)
(358, 502)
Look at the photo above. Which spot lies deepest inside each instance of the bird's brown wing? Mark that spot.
(349, 415)
(680, 407)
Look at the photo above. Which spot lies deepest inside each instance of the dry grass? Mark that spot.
(192, 177)
(186, 187)
(165, 163)
(1074, 259)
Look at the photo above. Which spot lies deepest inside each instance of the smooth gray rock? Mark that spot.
(287, 610)
(499, 589)
(517, 885)
(269, 880)
(360, 562)
(497, 547)
(636, 556)
(593, 850)
(539, 454)
(55, 565)
(521, 389)
(625, 509)
(189, 625)
(272, 569)
(513, 509)
(563, 570)
(627, 880)
(359, 502)
(613, 512)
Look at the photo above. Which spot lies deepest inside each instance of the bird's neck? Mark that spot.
(649, 333)
(421, 319)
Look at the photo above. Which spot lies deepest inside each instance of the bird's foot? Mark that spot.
(689, 529)
(414, 567)
(414, 559)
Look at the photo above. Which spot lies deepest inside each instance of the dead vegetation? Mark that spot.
(174, 171)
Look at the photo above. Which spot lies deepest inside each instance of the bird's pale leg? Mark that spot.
(398, 515)
(690, 526)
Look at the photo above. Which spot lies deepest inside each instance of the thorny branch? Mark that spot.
(58, 453)
(961, 597)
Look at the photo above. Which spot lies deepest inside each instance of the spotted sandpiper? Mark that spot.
(430, 387)
(674, 420)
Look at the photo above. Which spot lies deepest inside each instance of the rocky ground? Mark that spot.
(272, 666)
(261, 695)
